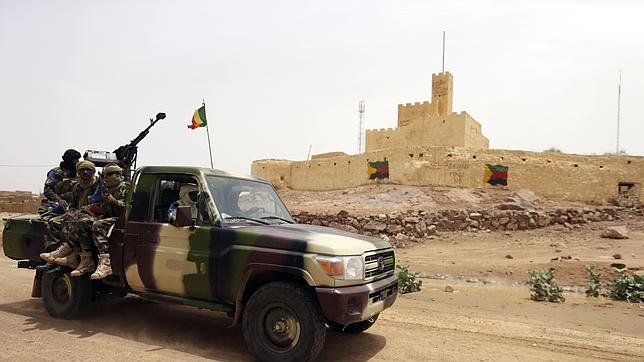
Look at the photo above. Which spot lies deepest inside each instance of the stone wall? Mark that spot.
(19, 201)
(554, 175)
(405, 228)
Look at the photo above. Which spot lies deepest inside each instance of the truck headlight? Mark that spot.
(342, 267)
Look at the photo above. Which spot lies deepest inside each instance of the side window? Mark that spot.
(141, 198)
(174, 191)
(168, 192)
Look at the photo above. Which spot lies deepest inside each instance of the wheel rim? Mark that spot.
(280, 327)
(62, 289)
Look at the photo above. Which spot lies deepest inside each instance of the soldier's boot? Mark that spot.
(71, 261)
(104, 267)
(62, 251)
(86, 264)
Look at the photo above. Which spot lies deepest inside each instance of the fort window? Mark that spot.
(625, 187)
(420, 155)
(501, 158)
(523, 159)
(449, 155)
(601, 166)
(263, 167)
(282, 178)
(575, 165)
(549, 161)
(628, 162)
(387, 137)
(334, 163)
(474, 157)
(349, 162)
(443, 121)
(411, 155)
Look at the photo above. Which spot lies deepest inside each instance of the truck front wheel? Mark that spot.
(283, 322)
(65, 297)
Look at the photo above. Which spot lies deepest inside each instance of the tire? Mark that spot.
(65, 297)
(283, 322)
(353, 328)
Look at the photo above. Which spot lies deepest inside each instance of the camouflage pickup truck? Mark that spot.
(237, 250)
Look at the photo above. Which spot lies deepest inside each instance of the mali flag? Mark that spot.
(199, 118)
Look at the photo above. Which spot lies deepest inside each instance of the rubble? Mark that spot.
(405, 228)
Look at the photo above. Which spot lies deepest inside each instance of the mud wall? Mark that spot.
(18, 201)
(556, 175)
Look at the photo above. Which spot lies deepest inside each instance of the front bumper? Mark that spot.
(348, 305)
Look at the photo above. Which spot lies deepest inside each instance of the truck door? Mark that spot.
(170, 259)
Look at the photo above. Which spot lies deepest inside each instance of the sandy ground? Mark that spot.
(489, 316)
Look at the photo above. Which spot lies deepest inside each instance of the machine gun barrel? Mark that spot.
(126, 154)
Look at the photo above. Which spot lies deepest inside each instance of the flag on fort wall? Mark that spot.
(378, 170)
(495, 175)
(199, 118)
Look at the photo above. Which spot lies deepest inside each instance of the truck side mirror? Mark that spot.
(184, 216)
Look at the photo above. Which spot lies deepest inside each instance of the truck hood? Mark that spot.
(308, 239)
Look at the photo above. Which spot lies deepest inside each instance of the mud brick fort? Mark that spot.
(432, 145)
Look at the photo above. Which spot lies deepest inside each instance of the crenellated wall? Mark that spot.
(430, 124)
(450, 130)
(555, 175)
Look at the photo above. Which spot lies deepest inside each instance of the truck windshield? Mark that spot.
(247, 201)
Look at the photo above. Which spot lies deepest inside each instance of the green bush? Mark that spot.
(408, 282)
(543, 286)
(594, 284)
(628, 287)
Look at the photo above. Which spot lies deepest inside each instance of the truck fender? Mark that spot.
(254, 269)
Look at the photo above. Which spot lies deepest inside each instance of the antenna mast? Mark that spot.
(361, 127)
(619, 105)
(443, 51)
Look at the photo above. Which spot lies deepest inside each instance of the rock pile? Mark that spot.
(404, 228)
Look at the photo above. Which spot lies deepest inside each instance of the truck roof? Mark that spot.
(198, 170)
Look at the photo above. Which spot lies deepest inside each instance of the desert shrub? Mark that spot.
(628, 287)
(408, 282)
(543, 286)
(552, 149)
(594, 284)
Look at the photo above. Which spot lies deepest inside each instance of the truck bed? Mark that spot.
(24, 236)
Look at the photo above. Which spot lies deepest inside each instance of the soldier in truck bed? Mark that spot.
(98, 228)
(86, 186)
(57, 190)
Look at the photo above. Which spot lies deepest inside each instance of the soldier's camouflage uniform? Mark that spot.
(59, 185)
(95, 229)
(73, 228)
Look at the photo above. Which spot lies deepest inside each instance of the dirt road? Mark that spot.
(478, 321)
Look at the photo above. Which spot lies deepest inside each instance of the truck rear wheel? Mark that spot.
(283, 322)
(354, 328)
(65, 297)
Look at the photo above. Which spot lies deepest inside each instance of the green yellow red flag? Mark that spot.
(199, 118)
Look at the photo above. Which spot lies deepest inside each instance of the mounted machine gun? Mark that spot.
(125, 155)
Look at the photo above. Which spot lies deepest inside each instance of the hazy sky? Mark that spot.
(278, 76)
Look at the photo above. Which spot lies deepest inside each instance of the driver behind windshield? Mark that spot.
(188, 195)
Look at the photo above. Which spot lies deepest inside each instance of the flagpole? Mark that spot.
(203, 102)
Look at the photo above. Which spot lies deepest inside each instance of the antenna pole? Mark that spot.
(308, 157)
(361, 127)
(619, 105)
(443, 52)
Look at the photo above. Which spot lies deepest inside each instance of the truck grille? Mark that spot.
(379, 264)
